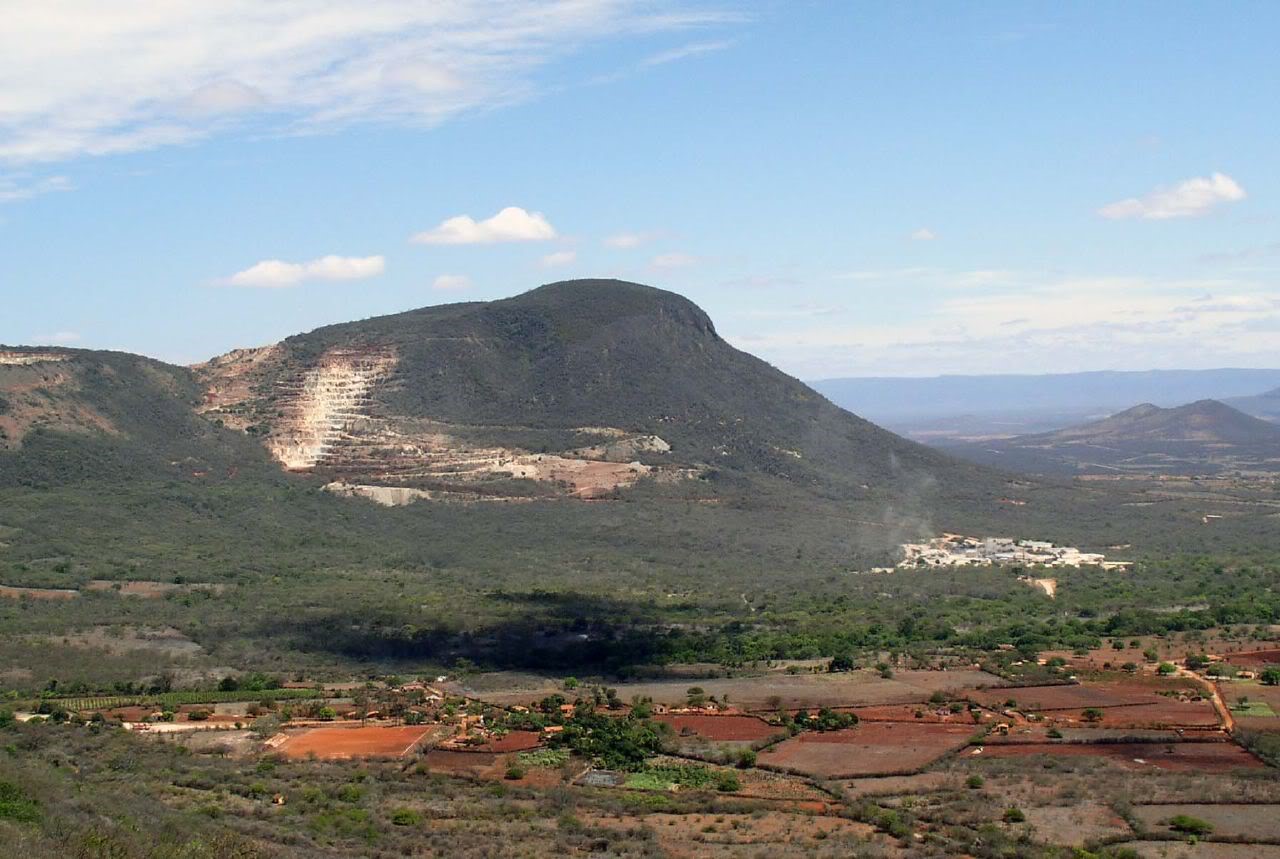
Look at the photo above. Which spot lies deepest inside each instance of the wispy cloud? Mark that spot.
(626, 241)
(1042, 323)
(558, 258)
(512, 224)
(675, 259)
(89, 78)
(685, 51)
(274, 273)
(1188, 199)
(15, 188)
(924, 234)
(451, 282)
(57, 338)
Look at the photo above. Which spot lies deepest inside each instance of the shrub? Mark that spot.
(727, 781)
(16, 805)
(1013, 814)
(1190, 825)
(514, 773)
(975, 781)
(406, 817)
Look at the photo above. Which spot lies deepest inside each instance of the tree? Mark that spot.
(1166, 668)
(1092, 714)
(1270, 676)
(843, 662)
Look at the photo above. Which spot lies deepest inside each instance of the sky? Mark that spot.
(848, 188)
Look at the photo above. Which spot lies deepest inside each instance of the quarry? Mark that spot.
(328, 419)
(957, 550)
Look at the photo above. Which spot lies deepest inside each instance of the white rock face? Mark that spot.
(324, 405)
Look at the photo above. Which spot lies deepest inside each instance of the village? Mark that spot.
(957, 550)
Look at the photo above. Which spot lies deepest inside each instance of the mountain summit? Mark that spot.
(580, 387)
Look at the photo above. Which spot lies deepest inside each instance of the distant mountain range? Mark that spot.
(1206, 436)
(972, 407)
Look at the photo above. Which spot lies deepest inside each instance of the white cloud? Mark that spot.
(452, 282)
(924, 234)
(57, 338)
(1037, 322)
(1188, 199)
(13, 189)
(673, 260)
(684, 51)
(559, 258)
(83, 77)
(512, 224)
(625, 241)
(274, 273)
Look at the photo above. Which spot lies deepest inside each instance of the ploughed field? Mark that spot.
(342, 742)
(767, 693)
(747, 729)
(867, 749)
(1216, 757)
(1139, 703)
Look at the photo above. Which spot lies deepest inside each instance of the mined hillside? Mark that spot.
(581, 387)
(68, 415)
(1201, 437)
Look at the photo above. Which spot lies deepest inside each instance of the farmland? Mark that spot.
(877, 748)
(1175, 757)
(342, 742)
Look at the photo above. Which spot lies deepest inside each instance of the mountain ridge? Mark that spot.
(1206, 435)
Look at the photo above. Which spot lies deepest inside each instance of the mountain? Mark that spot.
(1206, 436)
(68, 415)
(972, 407)
(1265, 406)
(579, 388)
(506, 416)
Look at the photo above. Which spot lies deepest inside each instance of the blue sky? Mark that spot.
(848, 188)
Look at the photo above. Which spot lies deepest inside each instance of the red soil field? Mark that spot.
(38, 593)
(721, 728)
(873, 748)
(515, 741)
(1163, 712)
(1177, 757)
(1036, 699)
(462, 763)
(361, 742)
(907, 713)
(1255, 657)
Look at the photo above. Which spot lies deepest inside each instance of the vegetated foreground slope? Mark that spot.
(1201, 437)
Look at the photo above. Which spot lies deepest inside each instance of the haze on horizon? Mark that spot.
(847, 189)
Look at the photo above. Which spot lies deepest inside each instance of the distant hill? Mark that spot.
(1265, 406)
(1206, 436)
(68, 415)
(976, 406)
